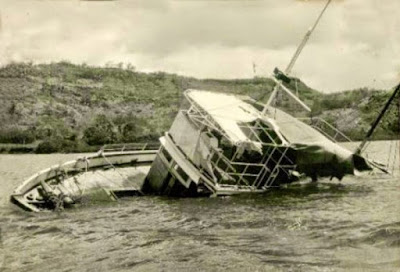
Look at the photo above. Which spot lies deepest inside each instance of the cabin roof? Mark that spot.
(228, 111)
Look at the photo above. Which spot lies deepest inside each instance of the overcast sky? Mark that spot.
(356, 44)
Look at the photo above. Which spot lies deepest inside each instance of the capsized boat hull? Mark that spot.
(104, 175)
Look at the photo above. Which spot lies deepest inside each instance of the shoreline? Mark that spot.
(18, 148)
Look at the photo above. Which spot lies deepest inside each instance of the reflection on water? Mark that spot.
(352, 225)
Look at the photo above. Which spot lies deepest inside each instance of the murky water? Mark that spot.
(353, 225)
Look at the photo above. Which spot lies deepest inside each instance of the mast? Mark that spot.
(305, 40)
(294, 59)
(398, 116)
(376, 122)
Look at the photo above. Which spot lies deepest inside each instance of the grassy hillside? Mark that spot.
(66, 108)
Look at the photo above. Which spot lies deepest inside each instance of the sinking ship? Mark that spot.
(224, 144)
(220, 144)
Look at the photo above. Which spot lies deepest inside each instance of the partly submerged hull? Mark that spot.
(106, 175)
(173, 173)
(223, 145)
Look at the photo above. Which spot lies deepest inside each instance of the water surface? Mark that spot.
(352, 225)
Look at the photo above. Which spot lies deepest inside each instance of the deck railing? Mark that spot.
(130, 147)
(253, 175)
(326, 129)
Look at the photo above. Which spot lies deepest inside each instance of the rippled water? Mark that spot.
(353, 225)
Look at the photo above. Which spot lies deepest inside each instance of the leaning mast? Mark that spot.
(377, 120)
(293, 60)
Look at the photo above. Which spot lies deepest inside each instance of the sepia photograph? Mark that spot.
(199, 135)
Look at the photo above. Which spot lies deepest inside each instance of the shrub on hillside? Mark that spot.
(100, 132)
(50, 145)
(48, 126)
(58, 145)
(17, 136)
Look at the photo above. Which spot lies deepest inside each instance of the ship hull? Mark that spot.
(100, 176)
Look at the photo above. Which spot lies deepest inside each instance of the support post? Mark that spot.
(376, 122)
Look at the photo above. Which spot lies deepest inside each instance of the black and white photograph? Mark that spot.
(200, 135)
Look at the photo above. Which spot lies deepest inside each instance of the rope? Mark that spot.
(395, 156)
(125, 177)
(390, 153)
(86, 170)
(86, 160)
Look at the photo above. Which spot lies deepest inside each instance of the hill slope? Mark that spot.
(71, 106)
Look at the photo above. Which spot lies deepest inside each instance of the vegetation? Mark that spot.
(16, 135)
(63, 107)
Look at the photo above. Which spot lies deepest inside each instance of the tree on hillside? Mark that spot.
(100, 132)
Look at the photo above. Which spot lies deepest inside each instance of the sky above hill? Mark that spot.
(356, 44)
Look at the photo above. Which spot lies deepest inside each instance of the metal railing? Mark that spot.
(130, 147)
(253, 175)
(324, 127)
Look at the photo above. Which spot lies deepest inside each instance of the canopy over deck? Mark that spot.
(231, 114)
(298, 133)
(228, 111)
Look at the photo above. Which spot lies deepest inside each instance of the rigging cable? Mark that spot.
(296, 56)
